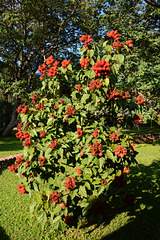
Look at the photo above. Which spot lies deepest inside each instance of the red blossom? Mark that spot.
(21, 189)
(137, 119)
(52, 115)
(27, 163)
(50, 60)
(84, 62)
(67, 219)
(65, 63)
(61, 101)
(101, 68)
(129, 43)
(113, 34)
(125, 95)
(12, 168)
(81, 153)
(78, 170)
(120, 151)
(63, 206)
(34, 98)
(113, 94)
(55, 197)
(126, 170)
(140, 100)
(52, 71)
(114, 136)
(96, 149)
(42, 160)
(19, 159)
(87, 39)
(79, 132)
(27, 142)
(41, 68)
(42, 134)
(40, 106)
(117, 45)
(95, 133)
(53, 144)
(95, 84)
(70, 110)
(70, 183)
(79, 87)
(103, 182)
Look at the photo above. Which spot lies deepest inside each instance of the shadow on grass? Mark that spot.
(3, 235)
(10, 144)
(144, 182)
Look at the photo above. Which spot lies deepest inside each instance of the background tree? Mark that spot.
(30, 32)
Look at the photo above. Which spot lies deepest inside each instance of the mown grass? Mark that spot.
(10, 145)
(138, 223)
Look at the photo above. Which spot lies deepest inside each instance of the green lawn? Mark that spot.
(10, 145)
(138, 223)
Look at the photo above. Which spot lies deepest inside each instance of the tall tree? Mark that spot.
(31, 30)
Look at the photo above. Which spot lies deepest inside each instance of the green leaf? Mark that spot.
(110, 155)
(101, 162)
(92, 198)
(85, 97)
(82, 191)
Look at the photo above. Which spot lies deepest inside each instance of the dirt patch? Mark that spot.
(146, 138)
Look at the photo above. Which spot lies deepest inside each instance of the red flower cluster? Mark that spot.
(70, 183)
(87, 39)
(12, 168)
(41, 68)
(63, 206)
(55, 108)
(42, 134)
(113, 34)
(79, 87)
(40, 106)
(125, 95)
(27, 163)
(52, 71)
(96, 149)
(84, 62)
(70, 110)
(55, 197)
(78, 170)
(53, 144)
(42, 160)
(140, 100)
(61, 101)
(99, 208)
(65, 63)
(129, 200)
(103, 182)
(34, 98)
(114, 136)
(95, 133)
(21, 189)
(67, 219)
(137, 119)
(19, 159)
(129, 43)
(113, 94)
(50, 60)
(52, 115)
(101, 67)
(27, 142)
(117, 45)
(126, 170)
(79, 132)
(95, 84)
(120, 151)
(22, 109)
(21, 135)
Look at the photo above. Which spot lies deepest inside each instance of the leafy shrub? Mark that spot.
(74, 150)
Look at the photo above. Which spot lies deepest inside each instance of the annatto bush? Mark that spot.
(74, 150)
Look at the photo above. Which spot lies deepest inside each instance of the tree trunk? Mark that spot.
(13, 122)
